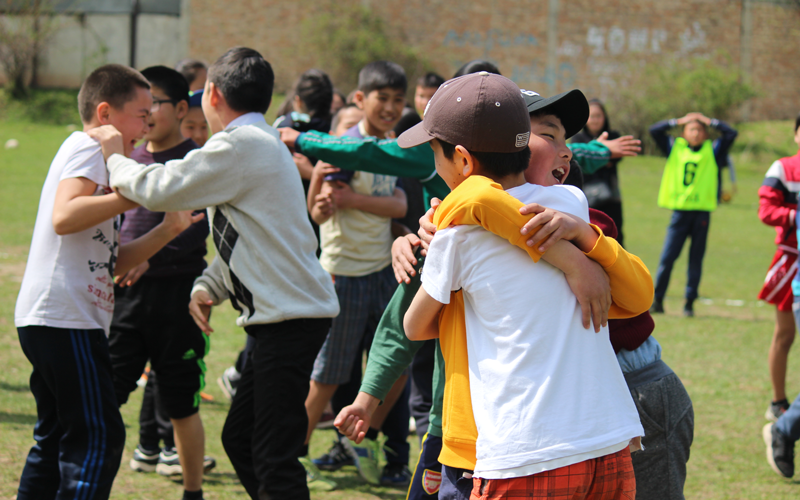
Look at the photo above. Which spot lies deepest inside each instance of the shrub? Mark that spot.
(56, 107)
(341, 40)
(657, 91)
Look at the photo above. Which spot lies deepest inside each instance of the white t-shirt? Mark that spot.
(546, 392)
(68, 279)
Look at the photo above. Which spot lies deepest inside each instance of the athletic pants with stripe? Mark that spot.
(79, 431)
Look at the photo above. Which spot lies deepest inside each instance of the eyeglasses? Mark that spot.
(157, 104)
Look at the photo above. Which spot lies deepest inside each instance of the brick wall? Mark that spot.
(544, 45)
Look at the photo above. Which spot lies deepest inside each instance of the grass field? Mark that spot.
(720, 355)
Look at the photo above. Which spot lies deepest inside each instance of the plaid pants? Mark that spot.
(606, 478)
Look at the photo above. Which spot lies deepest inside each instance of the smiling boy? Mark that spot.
(534, 369)
(151, 321)
(265, 264)
(66, 300)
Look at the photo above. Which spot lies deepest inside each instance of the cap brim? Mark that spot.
(414, 136)
(571, 108)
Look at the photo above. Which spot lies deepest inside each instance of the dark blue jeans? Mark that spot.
(789, 423)
(684, 224)
(79, 432)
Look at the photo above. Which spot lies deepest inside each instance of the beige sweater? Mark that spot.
(266, 262)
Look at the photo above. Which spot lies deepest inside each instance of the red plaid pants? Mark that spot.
(606, 478)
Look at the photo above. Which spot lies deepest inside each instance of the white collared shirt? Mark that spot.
(247, 119)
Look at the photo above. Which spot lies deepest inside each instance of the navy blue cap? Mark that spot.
(196, 98)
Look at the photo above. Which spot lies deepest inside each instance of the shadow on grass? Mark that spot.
(353, 482)
(17, 418)
(4, 386)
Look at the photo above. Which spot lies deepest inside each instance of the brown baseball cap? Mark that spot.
(483, 112)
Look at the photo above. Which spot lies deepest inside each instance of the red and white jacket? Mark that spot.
(777, 199)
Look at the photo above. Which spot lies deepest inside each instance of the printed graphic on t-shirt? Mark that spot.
(102, 273)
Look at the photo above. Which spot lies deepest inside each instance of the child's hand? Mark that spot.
(110, 140)
(342, 194)
(589, 282)
(621, 146)
(132, 276)
(289, 136)
(353, 421)
(324, 204)
(178, 222)
(303, 165)
(200, 308)
(403, 260)
(322, 169)
(426, 226)
(555, 226)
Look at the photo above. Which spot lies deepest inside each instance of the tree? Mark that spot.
(24, 28)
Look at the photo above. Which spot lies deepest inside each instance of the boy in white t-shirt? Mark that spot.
(66, 301)
(550, 404)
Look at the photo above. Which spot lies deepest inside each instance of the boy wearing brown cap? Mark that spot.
(522, 359)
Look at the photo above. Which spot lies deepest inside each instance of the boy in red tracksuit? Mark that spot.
(778, 207)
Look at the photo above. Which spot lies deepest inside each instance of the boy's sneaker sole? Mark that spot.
(766, 433)
(171, 466)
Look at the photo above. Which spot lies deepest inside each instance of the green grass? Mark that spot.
(720, 355)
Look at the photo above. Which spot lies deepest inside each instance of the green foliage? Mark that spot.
(341, 40)
(668, 89)
(55, 107)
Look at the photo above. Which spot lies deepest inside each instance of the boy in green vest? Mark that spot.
(690, 188)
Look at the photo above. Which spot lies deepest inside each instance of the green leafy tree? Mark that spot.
(25, 27)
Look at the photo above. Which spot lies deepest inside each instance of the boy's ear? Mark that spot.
(464, 160)
(181, 110)
(358, 99)
(103, 112)
(214, 95)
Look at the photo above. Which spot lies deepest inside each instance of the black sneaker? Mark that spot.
(776, 409)
(336, 458)
(688, 309)
(657, 307)
(144, 460)
(396, 475)
(780, 451)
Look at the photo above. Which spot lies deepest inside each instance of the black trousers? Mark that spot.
(79, 432)
(267, 422)
(154, 422)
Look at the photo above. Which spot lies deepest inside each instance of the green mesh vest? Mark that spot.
(690, 178)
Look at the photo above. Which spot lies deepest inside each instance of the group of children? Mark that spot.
(525, 340)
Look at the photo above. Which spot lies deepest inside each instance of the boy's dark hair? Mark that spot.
(797, 123)
(380, 75)
(189, 68)
(315, 89)
(113, 83)
(430, 80)
(476, 66)
(338, 116)
(169, 81)
(244, 78)
(497, 164)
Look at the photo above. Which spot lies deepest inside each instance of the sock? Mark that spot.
(784, 400)
(193, 495)
(304, 451)
(372, 434)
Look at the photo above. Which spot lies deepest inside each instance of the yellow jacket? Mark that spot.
(481, 201)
